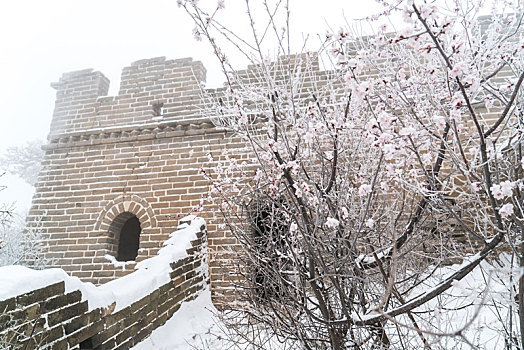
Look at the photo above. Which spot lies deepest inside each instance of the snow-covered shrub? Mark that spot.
(411, 137)
(21, 244)
(24, 160)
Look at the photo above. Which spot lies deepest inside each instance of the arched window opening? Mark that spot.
(125, 230)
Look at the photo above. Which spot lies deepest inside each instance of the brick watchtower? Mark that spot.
(119, 171)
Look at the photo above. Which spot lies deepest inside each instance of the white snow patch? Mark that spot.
(192, 326)
(369, 259)
(17, 280)
(117, 263)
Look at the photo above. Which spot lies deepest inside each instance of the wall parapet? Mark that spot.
(70, 314)
(150, 90)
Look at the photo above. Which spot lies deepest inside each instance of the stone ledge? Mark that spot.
(157, 130)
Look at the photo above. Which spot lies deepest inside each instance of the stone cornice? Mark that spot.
(139, 132)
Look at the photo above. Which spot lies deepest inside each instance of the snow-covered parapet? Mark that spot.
(63, 311)
(154, 272)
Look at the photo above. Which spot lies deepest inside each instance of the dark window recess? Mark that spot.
(157, 109)
(129, 240)
(270, 230)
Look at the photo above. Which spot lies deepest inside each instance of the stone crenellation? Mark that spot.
(166, 89)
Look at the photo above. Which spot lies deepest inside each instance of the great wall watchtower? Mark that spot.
(119, 171)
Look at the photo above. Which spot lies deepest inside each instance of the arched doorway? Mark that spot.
(126, 229)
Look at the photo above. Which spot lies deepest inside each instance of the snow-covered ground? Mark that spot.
(483, 306)
(489, 291)
(192, 326)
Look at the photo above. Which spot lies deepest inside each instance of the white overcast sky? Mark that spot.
(39, 40)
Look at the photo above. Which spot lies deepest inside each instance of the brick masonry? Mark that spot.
(50, 318)
(139, 152)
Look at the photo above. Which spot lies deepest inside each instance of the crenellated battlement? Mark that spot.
(151, 90)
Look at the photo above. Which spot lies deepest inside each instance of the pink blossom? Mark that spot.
(476, 186)
(488, 101)
(308, 137)
(406, 32)
(407, 15)
(221, 4)
(506, 188)
(341, 59)
(385, 119)
(427, 159)
(473, 151)
(385, 137)
(301, 189)
(370, 223)
(455, 115)
(341, 34)
(440, 121)
(348, 77)
(390, 151)
(371, 125)
(408, 131)
(243, 119)
(305, 186)
(496, 192)
(458, 70)
(364, 190)
(506, 210)
(352, 63)
(427, 11)
(503, 190)
(360, 90)
(332, 223)
(196, 34)
(458, 100)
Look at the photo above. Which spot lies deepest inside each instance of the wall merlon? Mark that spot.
(148, 61)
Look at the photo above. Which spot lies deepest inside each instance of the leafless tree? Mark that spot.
(23, 160)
